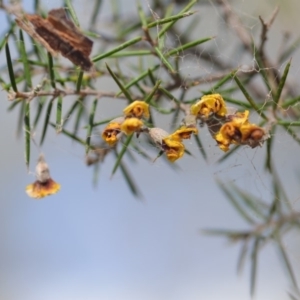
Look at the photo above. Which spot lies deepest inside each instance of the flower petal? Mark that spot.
(131, 125)
(183, 133)
(137, 109)
(209, 104)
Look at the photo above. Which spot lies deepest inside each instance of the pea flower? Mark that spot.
(169, 144)
(137, 109)
(208, 105)
(173, 148)
(131, 125)
(44, 185)
(112, 132)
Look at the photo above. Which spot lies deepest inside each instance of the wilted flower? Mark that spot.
(137, 109)
(112, 132)
(131, 125)
(209, 104)
(253, 135)
(239, 131)
(44, 185)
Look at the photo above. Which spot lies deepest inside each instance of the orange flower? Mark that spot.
(137, 109)
(112, 132)
(131, 125)
(209, 104)
(44, 185)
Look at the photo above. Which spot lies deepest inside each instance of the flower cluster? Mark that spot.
(227, 128)
(130, 123)
(211, 110)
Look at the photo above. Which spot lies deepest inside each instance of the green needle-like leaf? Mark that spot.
(79, 81)
(59, 114)
(222, 82)
(133, 188)
(72, 12)
(47, 118)
(286, 261)
(72, 136)
(248, 97)
(134, 53)
(164, 60)
(170, 96)
(291, 132)
(51, 71)
(186, 46)
(10, 68)
(281, 84)
(254, 258)
(142, 15)
(242, 256)
(236, 203)
(268, 164)
(123, 88)
(41, 104)
(291, 102)
(152, 93)
(117, 49)
(91, 125)
(79, 117)
(25, 61)
(95, 11)
(121, 154)
(170, 19)
(229, 153)
(170, 24)
(137, 79)
(27, 133)
(200, 146)
(238, 102)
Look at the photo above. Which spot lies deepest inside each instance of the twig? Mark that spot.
(265, 27)
(57, 92)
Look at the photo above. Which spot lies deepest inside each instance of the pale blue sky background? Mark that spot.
(86, 243)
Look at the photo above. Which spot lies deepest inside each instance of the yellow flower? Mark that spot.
(174, 149)
(44, 185)
(208, 105)
(131, 125)
(184, 133)
(111, 132)
(137, 109)
(169, 144)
